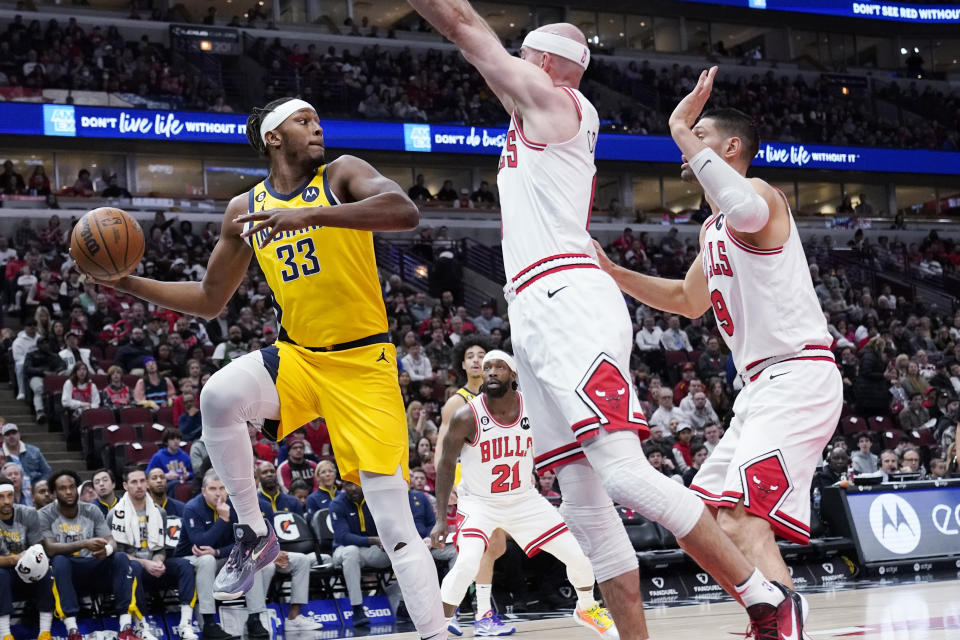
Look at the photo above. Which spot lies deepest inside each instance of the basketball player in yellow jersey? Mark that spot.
(309, 225)
(469, 353)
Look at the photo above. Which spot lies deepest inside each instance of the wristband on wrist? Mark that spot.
(108, 549)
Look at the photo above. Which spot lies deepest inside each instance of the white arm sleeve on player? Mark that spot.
(745, 209)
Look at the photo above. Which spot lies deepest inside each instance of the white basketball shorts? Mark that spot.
(768, 456)
(527, 518)
(572, 337)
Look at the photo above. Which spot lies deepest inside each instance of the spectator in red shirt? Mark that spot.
(317, 437)
(683, 387)
(296, 466)
(681, 449)
(545, 485)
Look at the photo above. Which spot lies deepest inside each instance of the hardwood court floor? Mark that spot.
(926, 611)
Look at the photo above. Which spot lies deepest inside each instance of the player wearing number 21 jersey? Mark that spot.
(493, 438)
(754, 275)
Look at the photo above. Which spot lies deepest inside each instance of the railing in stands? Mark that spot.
(899, 278)
(415, 272)
(487, 261)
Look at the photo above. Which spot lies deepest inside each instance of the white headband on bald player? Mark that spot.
(558, 45)
(4, 488)
(496, 354)
(274, 118)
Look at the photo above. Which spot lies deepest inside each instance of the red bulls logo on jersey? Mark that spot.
(608, 394)
(512, 446)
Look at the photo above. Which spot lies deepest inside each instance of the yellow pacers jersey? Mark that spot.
(466, 394)
(324, 279)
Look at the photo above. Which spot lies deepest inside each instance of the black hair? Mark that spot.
(256, 119)
(129, 470)
(299, 484)
(171, 433)
(56, 475)
(113, 478)
(737, 124)
(460, 351)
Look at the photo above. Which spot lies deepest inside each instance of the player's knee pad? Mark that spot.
(463, 572)
(594, 522)
(631, 481)
(240, 392)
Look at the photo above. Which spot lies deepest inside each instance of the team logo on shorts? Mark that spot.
(766, 487)
(608, 394)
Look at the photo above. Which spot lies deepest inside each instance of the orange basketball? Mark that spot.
(107, 243)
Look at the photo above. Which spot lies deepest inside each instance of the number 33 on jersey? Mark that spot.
(318, 275)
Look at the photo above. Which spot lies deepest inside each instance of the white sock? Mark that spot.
(585, 599)
(186, 615)
(70, 623)
(4, 626)
(483, 599)
(757, 590)
(126, 620)
(46, 620)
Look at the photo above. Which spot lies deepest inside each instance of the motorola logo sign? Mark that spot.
(895, 524)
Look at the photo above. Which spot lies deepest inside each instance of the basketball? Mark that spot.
(107, 243)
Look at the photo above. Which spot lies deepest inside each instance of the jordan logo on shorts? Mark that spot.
(383, 355)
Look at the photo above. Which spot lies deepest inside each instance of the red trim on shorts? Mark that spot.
(568, 453)
(749, 248)
(476, 423)
(474, 533)
(535, 146)
(557, 256)
(714, 500)
(533, 547)
(831, 360)
(813, 347)
(554, 270)
(730, 499)
(586, 435)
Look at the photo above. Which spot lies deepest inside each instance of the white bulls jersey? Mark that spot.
(499, 461)
(763, 299)
(546, 193)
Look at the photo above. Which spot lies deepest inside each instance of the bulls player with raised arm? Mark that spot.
(752, 271)
(493, 438)
(571, 331)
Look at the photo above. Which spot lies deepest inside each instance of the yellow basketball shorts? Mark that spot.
(356, 392)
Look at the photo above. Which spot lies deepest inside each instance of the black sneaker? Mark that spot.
(783, 622)
(255, 628)
(250, 554)
(360, 618)
(213, 631)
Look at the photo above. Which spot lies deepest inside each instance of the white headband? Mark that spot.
(496, 354)
(558, 45)
(275, 118)
(6, 487)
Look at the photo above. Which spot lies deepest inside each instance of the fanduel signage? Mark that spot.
(893, 11)
(190, 126)
(903, 525)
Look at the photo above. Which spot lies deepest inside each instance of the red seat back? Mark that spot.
(136, 415)
(53, 384)
(95, 417)
(119, 433)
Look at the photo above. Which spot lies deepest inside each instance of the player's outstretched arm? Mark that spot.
(688, 297)
(227, 265)
(463, 429)
(516, 84)
(369, 202)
